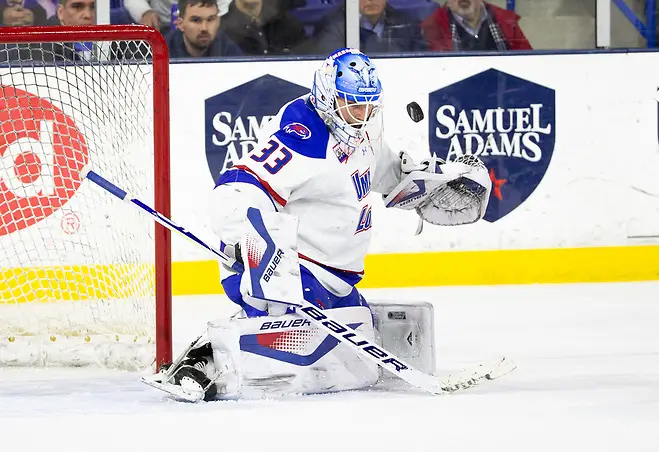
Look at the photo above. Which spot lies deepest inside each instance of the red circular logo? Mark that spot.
(41, 154)
(70, 223)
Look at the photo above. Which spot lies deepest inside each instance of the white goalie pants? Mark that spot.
(287, 355)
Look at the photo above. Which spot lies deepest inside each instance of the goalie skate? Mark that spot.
(186, 379)
(188, 384)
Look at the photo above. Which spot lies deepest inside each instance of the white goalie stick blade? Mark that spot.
(469, 378)
(390, 362)
(176, 391)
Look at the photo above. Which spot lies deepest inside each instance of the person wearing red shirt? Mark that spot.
(473, 25)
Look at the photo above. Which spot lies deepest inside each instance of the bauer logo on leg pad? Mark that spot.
(273, 265)
(284, 324)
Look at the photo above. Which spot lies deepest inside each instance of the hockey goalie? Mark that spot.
(295, 216)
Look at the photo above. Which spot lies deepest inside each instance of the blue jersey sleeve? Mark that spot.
(302, 131)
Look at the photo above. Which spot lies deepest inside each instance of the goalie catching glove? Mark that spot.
(442, 193)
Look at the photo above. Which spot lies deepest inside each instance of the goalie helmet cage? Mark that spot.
(83, 279)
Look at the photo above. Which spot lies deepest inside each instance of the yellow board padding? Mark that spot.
(543, 266)
(196, 278)
(558, 265)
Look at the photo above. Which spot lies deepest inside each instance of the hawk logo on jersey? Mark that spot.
(295, 128)
(235, 118)
(508, 122)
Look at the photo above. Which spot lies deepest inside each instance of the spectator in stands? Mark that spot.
(74, 12)
(17, 13)
(382, 29)
(261, 27)
(154, 13)
(474, 25)
(158, 13)
(198, 34)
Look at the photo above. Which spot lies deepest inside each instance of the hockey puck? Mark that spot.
(414, 112)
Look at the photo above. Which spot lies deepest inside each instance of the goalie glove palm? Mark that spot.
(462, 200)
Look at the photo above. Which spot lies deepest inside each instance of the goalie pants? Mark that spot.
(314, 292)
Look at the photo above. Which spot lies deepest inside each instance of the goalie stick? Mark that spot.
(323, 319)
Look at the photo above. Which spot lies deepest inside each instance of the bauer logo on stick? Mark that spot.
(41, 154)
(235, 117)
(508, 122)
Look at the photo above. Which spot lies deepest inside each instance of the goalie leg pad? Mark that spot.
(288, 355)
(224, 338)
(408, 331)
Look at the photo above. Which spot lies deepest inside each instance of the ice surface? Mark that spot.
(587, 380)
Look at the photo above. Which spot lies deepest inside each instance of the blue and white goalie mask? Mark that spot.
(347, 94)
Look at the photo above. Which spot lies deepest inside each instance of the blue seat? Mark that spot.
(119, 16)
(314, 11)
(419, 9)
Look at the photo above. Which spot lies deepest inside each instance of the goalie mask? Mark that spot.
(347, 95)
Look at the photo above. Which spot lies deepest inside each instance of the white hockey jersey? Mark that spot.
(298, 168)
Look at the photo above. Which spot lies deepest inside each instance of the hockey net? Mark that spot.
(84, 280)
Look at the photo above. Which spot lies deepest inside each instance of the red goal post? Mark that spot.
(80, 276)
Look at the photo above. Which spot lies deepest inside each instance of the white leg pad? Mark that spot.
(287, 355)
(408, 331)
(225, 341)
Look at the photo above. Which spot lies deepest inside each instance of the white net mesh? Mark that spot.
(76, 266)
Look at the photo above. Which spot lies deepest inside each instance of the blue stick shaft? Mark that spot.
(125, 196)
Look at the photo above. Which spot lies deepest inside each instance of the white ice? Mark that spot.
(587, 380)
